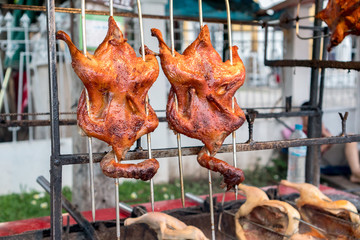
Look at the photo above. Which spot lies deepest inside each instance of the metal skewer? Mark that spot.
(178, 136)
(210, 180)
(315, 227)
(146, 102)
(117, 208)
(233, 99)
(91, 162)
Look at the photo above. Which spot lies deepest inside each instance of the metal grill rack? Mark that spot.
(58, 160)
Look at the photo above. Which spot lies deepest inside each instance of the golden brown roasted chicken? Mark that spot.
(343, 18)
(204, 86)
(117, 83)
(168, 227)
(339, 218)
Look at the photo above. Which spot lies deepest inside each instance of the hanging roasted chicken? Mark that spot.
(117, 83)
(343, 18)
(204, 86)
(336, 218)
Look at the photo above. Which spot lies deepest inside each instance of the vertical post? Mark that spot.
(314, 124)
(55, 163)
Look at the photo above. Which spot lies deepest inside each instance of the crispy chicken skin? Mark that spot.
(337, 218)
(117, 83)
(204, 86)
(343, 18)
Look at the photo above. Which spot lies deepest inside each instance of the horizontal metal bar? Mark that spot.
(33, 114)
(125, 14)
(314, 63)
(240, 147)
(34, 123)
(287, 114)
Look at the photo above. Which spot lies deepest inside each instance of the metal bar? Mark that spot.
(117, 208)
(111, 8)
(91, 173)
(67, 159)
(126, 208)
(55, 163)
(34, 114)
(89, 231)
(27, 123)
(194, 198)
(212, 220)
(34, 123)
(125, 14)
(201, 20)
(322, 75)
(178, 136)
(314, 122)
(351, 65)
(26, 23)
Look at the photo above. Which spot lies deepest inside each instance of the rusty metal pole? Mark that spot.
(314, 123)
(55, 161)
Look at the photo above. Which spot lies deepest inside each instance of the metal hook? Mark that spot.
(250, 117)
(297, 25)
(343, 123)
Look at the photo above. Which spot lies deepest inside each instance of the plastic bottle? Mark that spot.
(297, 158)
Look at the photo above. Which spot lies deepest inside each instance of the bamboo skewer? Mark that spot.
(91, 162)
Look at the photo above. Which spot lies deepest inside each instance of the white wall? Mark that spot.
(22, 162)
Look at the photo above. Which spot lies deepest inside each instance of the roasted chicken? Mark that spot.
(117, 83)
(204, 86)
(276, 215)
(168, 227)
(338, 219)
(343, 18)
